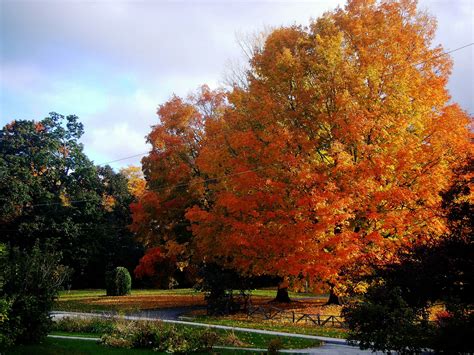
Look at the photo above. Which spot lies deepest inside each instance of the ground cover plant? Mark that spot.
(97, 300)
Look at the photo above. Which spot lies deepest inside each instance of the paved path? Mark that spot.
(165, 313)
(331, 345)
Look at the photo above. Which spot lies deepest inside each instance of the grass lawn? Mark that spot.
(82, 347)
(246, 339)
(276, 326)
(96, 300)
(72, 347)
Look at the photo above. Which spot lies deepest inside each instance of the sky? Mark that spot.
(112, 62)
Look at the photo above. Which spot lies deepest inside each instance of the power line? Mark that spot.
(445, 53)
(438, 56)
(158, 189)
(124, 158)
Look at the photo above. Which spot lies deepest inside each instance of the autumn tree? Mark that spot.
(334, 153)
(394, 314)
(173, 179)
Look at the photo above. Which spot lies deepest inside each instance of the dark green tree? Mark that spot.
(31, 282)
(52, 192)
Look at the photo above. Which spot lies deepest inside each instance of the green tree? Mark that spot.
(52, 192)
(31, 281)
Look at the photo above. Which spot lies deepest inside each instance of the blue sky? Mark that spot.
(113, 62)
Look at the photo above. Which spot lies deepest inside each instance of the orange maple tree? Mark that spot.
(173, 180)
(335, 152)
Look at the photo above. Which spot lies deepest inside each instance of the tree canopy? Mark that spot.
(334, 154)
(53, 193)
(324, 162)
(174, 181)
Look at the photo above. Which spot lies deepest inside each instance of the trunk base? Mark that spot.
(334, 299)
(282, 296)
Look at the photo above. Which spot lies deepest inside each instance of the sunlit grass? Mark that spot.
(275, 326)
(96, 299)
(74, 294)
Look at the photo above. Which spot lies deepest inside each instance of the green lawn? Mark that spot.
(272, 293)
(54, 346)
(83, 347)
(81, 294)
(72, 347)
(247, 339)
(96, 300)
(268, 325)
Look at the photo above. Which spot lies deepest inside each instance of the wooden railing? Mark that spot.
(289, 316)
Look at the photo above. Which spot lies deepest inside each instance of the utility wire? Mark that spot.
(124, 158)
(158, 189)
(444, 53)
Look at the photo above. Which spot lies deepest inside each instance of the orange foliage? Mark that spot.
(148, 262)
(173, 178)
(135, 181)
(334, 156)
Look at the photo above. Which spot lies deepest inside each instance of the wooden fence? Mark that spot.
(289, 316)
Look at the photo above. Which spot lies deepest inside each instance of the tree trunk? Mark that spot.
(282, 293)
(333, 298)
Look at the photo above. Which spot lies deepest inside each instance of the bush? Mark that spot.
(160, 337)
(84, 325)
(384, 321)
(5, 337)
(118, 282)
(31, 281)
(274, 346)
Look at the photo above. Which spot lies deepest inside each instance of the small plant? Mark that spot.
(274, 346)
(84, 325)
(116, 342)
(118, 282)
(233, 340)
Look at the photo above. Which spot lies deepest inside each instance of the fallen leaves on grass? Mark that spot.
(132, 302)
